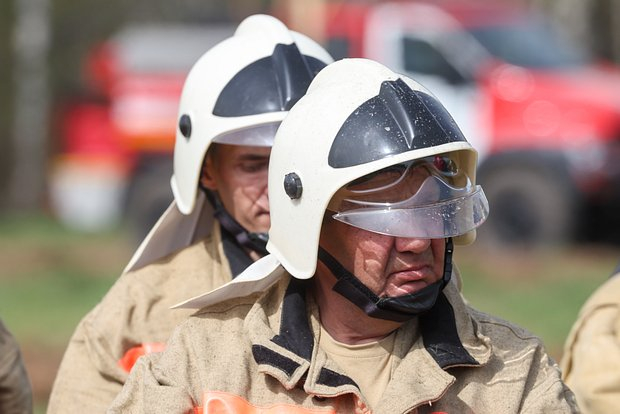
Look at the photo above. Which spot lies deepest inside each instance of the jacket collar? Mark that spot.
(238, 258)
(284, 344)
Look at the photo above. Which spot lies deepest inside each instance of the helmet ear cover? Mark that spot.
(292, 186)
(185, 126)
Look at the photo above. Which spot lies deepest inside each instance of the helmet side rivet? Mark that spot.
(292, 186)
(185, 126)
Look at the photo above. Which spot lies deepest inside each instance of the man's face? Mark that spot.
(239, 175)
(387, 265)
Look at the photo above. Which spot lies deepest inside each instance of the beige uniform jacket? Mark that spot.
(591, 360)
(258, 354)
(15, 390)
(135, 311)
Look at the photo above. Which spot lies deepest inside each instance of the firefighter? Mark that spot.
(15, 389)
(591, 360)
(371, 183)
(233, 100)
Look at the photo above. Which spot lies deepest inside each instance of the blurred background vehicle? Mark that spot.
(544, 116)
(115, 157)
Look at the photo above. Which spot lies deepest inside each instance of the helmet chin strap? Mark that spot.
(253, 241)
(399, 308)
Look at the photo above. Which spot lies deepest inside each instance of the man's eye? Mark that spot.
(254, 167)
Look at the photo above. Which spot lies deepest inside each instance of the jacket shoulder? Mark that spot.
(503, 333)
(188, 258)
(239, 309)
(521, 358)
(608, 294)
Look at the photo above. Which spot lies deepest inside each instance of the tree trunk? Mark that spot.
(31, 40)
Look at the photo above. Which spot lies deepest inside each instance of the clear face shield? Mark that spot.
(427, 198)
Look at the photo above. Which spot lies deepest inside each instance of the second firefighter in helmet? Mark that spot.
(232, 103)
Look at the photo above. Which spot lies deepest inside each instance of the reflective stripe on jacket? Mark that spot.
(128, 360)
(262, 349)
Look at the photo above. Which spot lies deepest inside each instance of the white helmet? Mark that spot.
(359, 117)
(238, 93)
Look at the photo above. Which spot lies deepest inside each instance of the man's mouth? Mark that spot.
(408, 281)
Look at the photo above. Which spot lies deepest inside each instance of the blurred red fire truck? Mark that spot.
(115, 159)
(544, 116)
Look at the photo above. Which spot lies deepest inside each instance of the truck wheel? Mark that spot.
(528, 207)
(148, 195)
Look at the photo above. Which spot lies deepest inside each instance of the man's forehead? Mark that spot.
(242, 151)
(254, 153)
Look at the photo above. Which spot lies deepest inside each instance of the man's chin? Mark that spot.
(259, 226)
(407, 288)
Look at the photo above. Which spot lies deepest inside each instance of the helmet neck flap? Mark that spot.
(398, 309)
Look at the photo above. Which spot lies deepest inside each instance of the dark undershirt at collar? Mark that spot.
(237, 257)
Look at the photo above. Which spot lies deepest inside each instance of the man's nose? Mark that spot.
(263, 199)
(411, 244)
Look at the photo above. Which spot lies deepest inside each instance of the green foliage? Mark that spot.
(39, 229)
(44, 308)
(6, 90)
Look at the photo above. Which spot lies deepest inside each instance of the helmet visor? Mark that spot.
(426, 198)
(255, 136)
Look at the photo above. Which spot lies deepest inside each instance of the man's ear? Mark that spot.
(207, 176)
